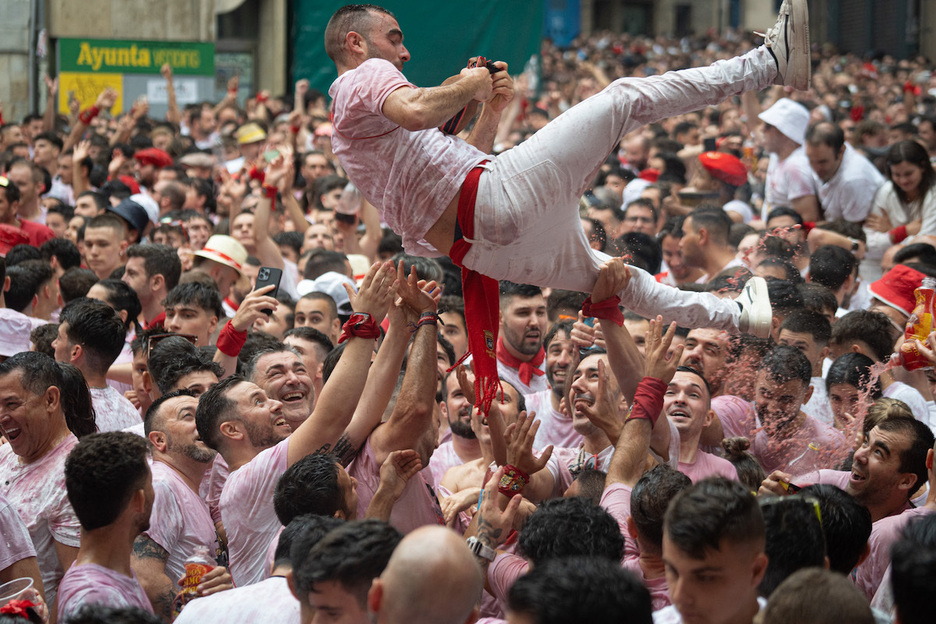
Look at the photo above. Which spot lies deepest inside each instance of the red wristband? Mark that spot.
(360, 325)
(898, 234)
(608, 310)
(648, 400)
(230, 341)
(295, 129)
(513, 481)
(269, 192)
(87, 115)
(256, 174)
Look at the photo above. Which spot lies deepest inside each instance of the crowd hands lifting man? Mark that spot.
(324, 443)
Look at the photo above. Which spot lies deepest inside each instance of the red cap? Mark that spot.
(896, 288)
(154, 156)
(10, 237)
(725, 167)
(131, 183)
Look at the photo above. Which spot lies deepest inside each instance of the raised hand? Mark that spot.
(397, 470)
(519, 437)
(613, 277)
(106, 99)
(657, 363)
(252, 308)
(420, 296)
(376, 291)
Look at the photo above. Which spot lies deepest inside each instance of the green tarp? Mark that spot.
(440, 36)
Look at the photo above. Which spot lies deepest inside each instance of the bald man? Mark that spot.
(432, 578)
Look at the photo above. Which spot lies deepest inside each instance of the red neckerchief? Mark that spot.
(233, 305)
(527, 369)
(158, 321)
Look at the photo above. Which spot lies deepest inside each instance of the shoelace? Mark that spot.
(772, 34)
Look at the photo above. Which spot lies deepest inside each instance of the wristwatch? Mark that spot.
(479, 549)
(855, 244)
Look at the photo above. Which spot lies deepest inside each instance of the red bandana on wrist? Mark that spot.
(527, 369)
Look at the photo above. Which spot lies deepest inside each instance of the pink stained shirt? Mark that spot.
(708, 465)
(15, 545)
(503, 573)
(248, 515)
(616, 499)
(213, 484)
(411, 177)
(266, 602)
(94, 584)
(180, 520)
(884, 533)
(112, 411)
(37, 492)
(555, 427)
(416, 507)
(738, 418)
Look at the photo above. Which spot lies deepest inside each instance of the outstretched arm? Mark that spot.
(421, 109)
(630, 453)
(323, 429)
(412, 415)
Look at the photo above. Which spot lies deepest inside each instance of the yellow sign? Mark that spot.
(86, 88)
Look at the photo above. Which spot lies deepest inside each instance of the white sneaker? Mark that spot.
(788, 41)
(756, 313)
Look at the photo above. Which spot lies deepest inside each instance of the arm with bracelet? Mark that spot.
(630, 455)
(415, 407)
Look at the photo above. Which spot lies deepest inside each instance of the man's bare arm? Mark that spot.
(421, 109)
(149, 562)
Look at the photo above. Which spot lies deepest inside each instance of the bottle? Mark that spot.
(200, 563)
(806, 462)
(919, 326)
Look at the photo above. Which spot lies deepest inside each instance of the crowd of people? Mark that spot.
(265, 337)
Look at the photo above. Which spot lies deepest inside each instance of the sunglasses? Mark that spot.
(794, 498)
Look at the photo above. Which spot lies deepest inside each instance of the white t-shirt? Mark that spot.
(849, 193)
(818, 405)
(37, 492)
(670, 615)
(266, 602)
(787, 180)
(179, 521)
(112, 411)
(247, 512)
(94, 584)
(511, 375)
(411, 177)
(911, 396)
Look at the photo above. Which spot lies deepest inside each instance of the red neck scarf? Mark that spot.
(527, 369)
(482, 303)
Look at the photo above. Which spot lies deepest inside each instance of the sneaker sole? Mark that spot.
(762, 299)
(801, 78)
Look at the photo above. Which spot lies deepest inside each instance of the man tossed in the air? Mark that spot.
(514, 216)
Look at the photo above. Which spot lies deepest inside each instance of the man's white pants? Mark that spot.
(527, 227)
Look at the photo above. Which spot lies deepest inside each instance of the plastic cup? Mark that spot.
(14, 589)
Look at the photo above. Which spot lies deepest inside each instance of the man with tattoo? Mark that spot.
(250, 431)
(180, 521)
(412, 424)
